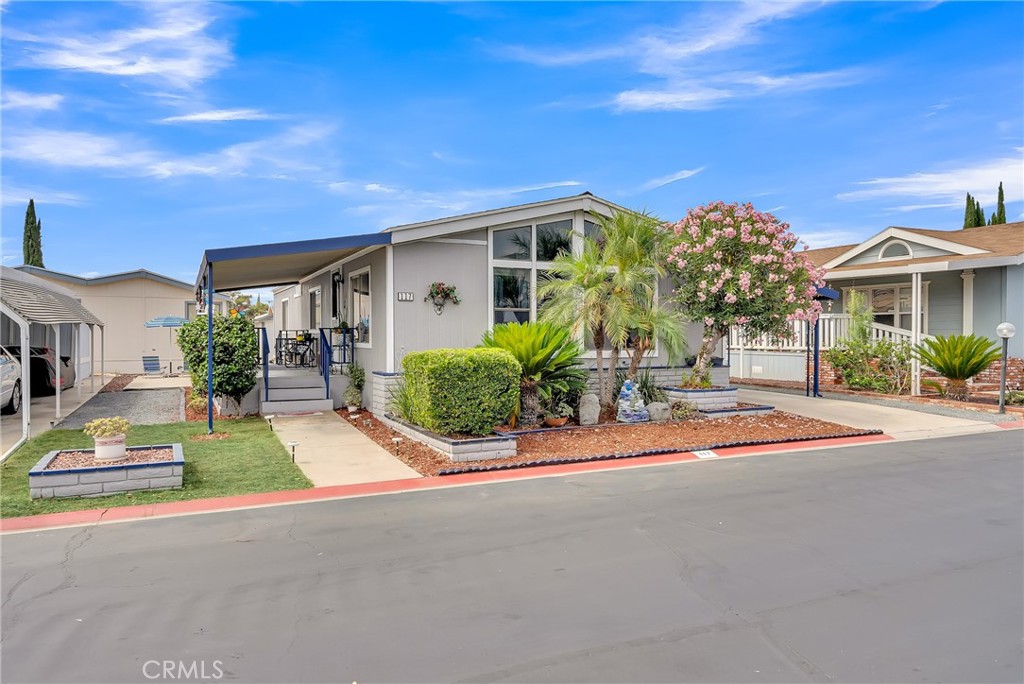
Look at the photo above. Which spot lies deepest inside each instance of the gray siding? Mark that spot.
(998, 297)
(871, 256)
(417, 265)
(772, 365)
(945, 298)
(374, 357)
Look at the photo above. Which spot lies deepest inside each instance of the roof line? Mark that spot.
(98, 280)
(212, 256)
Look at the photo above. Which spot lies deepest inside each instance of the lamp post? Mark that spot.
(1005, 330)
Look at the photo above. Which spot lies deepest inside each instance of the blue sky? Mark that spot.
(147, 133)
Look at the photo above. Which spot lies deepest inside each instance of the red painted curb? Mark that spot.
(1012, 425)
(143, 511)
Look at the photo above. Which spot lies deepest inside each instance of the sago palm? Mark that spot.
(548, 356)
(958, 358)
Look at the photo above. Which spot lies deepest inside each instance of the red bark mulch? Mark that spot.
(608, 439)
(86, 459)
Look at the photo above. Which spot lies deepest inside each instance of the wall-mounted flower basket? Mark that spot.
(440, 294)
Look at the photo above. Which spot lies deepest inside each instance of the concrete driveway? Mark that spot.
(895, 562)
(899, 423)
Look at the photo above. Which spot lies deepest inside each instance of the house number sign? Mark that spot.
(405, 296)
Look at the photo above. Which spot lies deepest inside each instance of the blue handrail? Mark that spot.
(325, 359)
(265, 345)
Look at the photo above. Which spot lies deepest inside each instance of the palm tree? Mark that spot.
(958, 358)
(610, 290)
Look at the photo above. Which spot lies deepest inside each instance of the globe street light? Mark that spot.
(1005, 330)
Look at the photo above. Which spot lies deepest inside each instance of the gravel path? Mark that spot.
(145, 407)
(935, 409)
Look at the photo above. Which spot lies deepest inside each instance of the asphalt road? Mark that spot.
(892, 562)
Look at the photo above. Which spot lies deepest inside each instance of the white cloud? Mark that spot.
(171, 44)
(17, 196)
(948, 188)
(278, 156)
(831, 238)
(17, 99)
(692, 59)
(671, 178)
(219, 115)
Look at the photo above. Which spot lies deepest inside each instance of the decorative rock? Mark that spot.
(659, 410)
(631, 405)
(590, 409)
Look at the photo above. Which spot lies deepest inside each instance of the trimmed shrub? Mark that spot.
(235, 355)
(465, 391)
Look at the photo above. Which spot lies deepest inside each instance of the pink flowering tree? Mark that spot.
(736, 266)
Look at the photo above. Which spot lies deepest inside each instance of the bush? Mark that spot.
(684, 410)
(235, 355)
(549, 360)
(356, 376)
(107, 427)
(958, 358)
(401, 401)
(462, 390)
(1015, 398)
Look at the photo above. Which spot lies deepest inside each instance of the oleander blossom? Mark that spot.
(736, 266)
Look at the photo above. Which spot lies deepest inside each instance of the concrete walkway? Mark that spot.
(901, 424)
(332, 452)
(148, 382)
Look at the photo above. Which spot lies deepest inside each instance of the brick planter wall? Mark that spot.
(1014, 373)
(461, 450)
(705, 399)
(104, 480)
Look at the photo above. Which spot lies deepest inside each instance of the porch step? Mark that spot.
(288, 406)
(290, 393)
(304, 380)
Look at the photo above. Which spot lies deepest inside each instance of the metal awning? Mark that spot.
(280, 263)
(37, 304)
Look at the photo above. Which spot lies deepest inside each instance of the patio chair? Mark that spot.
(151, 365)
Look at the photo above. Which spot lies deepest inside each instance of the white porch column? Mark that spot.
(915, 331)
(389, 309)
(56, 370)
(968, 278)
(92, 358)
(743, 343)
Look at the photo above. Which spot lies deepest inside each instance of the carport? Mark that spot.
(26, 303)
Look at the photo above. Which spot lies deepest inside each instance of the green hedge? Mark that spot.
(465, 391)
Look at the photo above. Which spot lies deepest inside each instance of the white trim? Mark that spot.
(348, 276)
(915, 329)
(340, 263)
(309, 314)
(527, 213)
(967, 327)
(389, 308)
(898, 257)
(458, 241)
(892, 232)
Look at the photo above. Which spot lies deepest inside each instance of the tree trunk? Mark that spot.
(608, 398)
(956, 390)
(637, 358)
(529, 403)
(599, 352)
(701, 373)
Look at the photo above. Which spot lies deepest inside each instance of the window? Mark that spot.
(511, 295)
(314, 309)
(190, 310)
(591, 230)
(895, 249)
(891, 304)
(359, 284)
(553, 238)
(513, 244)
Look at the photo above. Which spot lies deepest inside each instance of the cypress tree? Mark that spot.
(27, 236)
(1000, 207)
(37, 238)
(992, 219)
(979, 214)
(969, 215)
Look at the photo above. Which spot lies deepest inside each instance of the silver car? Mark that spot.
(10, 382)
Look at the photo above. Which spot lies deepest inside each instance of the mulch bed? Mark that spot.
(119, 382)
(609, 439)
(198, 415)
(85, 459)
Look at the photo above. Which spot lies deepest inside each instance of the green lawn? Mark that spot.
(250, 460)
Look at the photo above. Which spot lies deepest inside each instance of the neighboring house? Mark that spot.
(377, 282)
(125, 301)
(957, 281)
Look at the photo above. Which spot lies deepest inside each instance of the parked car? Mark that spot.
(10, 382)
(41, 372)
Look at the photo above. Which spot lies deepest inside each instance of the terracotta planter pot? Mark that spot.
(556, 422)
(109, 448)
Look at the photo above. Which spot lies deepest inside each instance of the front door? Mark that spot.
(314, 309)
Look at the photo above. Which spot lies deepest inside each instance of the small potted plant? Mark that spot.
(353, 397)
(558, 414)
(108, 436)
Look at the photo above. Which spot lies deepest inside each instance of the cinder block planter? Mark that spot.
(759, 410)
(707, 399)
(104, 480)
(460, 450)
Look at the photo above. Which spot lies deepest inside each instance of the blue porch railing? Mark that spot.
(325, 359)
(265, 349)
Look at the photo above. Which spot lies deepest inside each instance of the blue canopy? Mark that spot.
(166, 322)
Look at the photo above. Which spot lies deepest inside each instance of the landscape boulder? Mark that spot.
(659, 410)
(590, 409)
